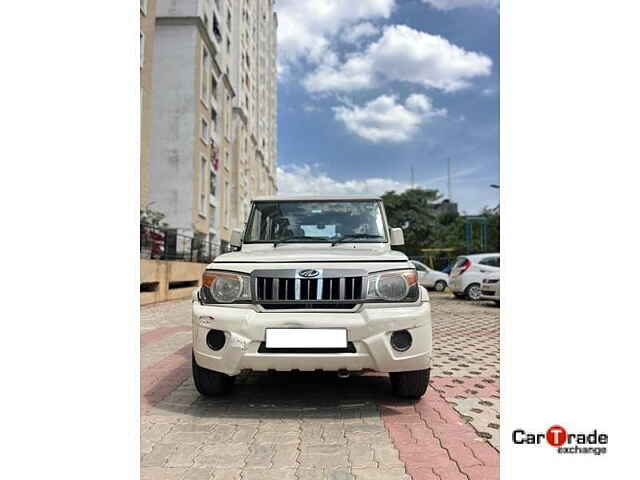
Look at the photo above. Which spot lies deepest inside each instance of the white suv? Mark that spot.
(468, 272)
(314, 285)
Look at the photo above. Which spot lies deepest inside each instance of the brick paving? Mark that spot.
(303, 425)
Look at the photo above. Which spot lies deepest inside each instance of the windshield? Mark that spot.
(316, 222)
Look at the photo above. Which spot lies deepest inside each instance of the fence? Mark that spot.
(157, 243)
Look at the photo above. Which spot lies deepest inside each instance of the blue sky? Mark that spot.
(370, 88)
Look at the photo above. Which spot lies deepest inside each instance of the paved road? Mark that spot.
(315, 426)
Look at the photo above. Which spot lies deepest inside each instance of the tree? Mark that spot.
(448, 232)
(413, 211)
(493, 228)
(152, 217)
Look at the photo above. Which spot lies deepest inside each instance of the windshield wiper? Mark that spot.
(354, 236)
(298, 237)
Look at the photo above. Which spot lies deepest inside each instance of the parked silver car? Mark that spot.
(465, 280)
(491, 288)
(430, 278)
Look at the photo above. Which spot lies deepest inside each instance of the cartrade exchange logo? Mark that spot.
(556, 436)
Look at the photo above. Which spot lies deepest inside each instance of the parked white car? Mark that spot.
(491, 288)
(430, 278)
(314, 285)
(465, 280)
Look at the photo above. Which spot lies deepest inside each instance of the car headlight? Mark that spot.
(394, 286)
(225, 287)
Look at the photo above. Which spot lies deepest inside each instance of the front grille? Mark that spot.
(330, 288)
(488, 293)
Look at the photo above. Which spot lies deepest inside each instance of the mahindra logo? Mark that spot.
(309, 273)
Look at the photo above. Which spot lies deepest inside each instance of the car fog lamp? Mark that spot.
(401, 340)
(215, 339)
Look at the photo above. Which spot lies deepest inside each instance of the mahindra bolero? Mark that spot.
(313, 285)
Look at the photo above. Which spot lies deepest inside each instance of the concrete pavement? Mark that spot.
(316, 426)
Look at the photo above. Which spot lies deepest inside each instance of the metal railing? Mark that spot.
(167, 244)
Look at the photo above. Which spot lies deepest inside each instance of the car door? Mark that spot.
(423, 277)
(489, 265)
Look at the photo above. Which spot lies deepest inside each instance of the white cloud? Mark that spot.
(309, 108)
(385, 120)
(355, 74)
(311, 180)
(308, 180)
(306, 27)
(359, 31)
(418, 102)
(451, 4)
(402, 54)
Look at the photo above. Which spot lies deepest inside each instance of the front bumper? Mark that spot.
(368, 328)
(489, 292)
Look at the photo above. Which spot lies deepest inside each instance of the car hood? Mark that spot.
(304, 254)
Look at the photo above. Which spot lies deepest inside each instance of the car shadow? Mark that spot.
(292, 396)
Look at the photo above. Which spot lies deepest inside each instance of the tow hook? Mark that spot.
(343, 373)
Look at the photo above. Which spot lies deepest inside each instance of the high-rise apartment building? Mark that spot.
(147, 33)
(213, 134)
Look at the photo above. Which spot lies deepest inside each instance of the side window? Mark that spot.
(419, 267)
(459, 262)
(490, 261)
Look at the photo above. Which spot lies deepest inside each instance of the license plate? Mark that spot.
(306, 338)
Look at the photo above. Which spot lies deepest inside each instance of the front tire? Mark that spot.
(473, 292)
(440, 286)
(410, 384)
(209, 382)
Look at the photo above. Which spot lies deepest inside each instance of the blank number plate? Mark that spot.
(306, 338)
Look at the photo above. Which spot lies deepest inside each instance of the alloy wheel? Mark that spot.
(474, 292)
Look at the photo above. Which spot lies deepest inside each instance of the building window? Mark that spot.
(214, 120)
(214, 87)
(141, 50)
(213, 183)
(203, 186)
(227, 120)
(227, 201)
(216, 28)
(143, 6)
(204, 83)
(204, 132)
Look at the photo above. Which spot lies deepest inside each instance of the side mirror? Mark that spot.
(397, 236)
(236, 238)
